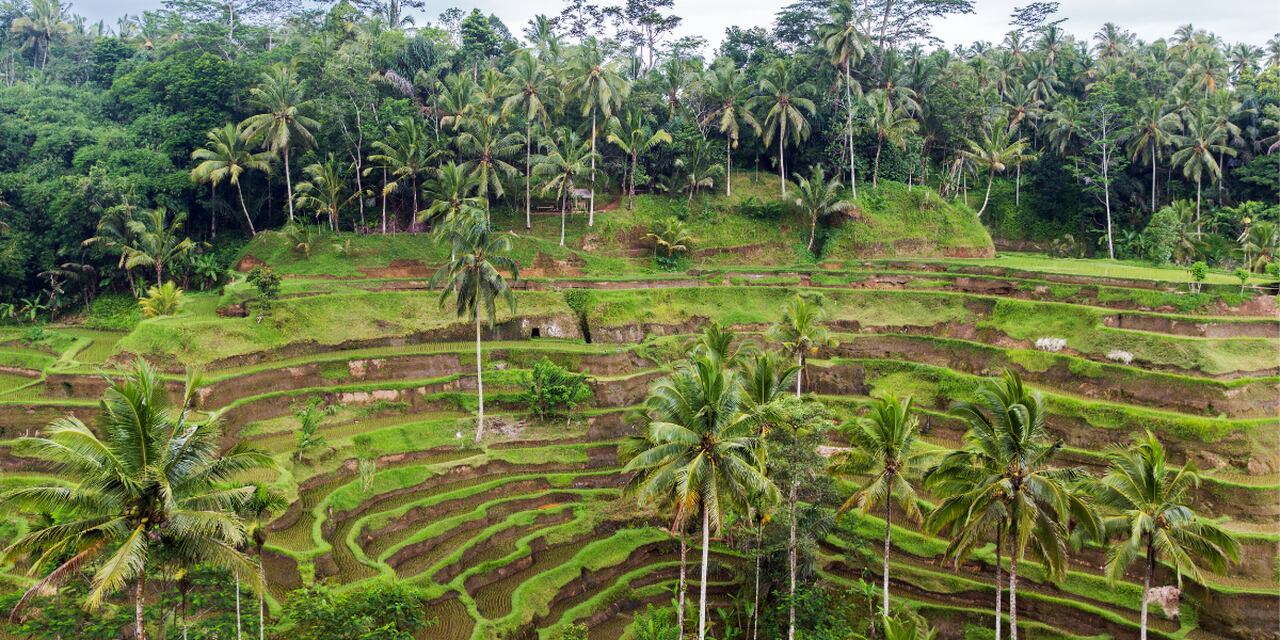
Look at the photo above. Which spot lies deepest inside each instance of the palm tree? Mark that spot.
(257, 509)
(1146, 503)
(452, 193)
(889, 123)
(883, 443)
(702, 452)
(819, 198)
(727, 89)
(564, 160)
(46, 23)
(1155, 129)
(846, 44)
(406, 154)
(145, 482)
(1003, 468)
(698, 168)
(324, 191)
(1197, 148)
(226, 156)
(486, 149)
(634, 137)
(473, 276)
(801, 333)
(994, 152)
(155, 243)
(601, 90)
(534, 86)
(282, 124)
(783, 99)
(670, 233)
(458, 98)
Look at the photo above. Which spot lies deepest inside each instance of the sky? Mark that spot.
(1252, 21)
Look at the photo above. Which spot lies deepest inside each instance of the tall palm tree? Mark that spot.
(883, 443)
(37, 30)
(994, 152)
(1005, 467)
(452, 193)
(633, 136)
(324, 190)
(818, 197)
(703, 452)
(474, 278)
(458, 98)
(534, 85)
(1155, 129)
(282, 124)
(563, 162)
(407, 154)
(889, 123)
(727, 88)
(1197, 148)
(1146, 503)
(257, 509)
(486, 150)
(146, 482)
(846, 44)
(800, 332)
(784, 102)
(156, 242)
(601, 90)
(226, 156)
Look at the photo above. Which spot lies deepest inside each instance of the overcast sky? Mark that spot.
(1252, 21)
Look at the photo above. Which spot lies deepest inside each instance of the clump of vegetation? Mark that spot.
(267, 282)
(386, 610)
(1198, 272)
(309, 416)
(581, 302)
(550, 390)
(162, 300)
(113, 311)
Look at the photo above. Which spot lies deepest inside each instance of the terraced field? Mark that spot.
(528, 532)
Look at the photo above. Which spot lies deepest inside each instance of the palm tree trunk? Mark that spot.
(782, 165)
(563, 213)
(799, 372)
(159, 271)
(140, 633)
(791, 564)
(684, 551)
(728, 166)
(999, 585)
(1197, 206)
(702, 588)
(288, 182)
(848, 124)
(1013, 593)
(384, 201)
(888, 514)
(813, 228)
(1153, 177)
(875, 171)
(991, 176)
(1017, 185)
(479, 380)
(245, 209)
(238, 628)
(631, 187)
(1146, 584)
(755, 610)
(591, 205)
(528, 154)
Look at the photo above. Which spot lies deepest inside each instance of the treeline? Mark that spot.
(243, 115)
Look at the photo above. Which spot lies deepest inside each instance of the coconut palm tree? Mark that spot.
(226, 156)
(155, 243)
(406, 154)
(324, 191)
(1197, 148)
(846, 44)
(257, 509)
(800, 332)
(601, 90)
(452, 193)
(889, 123)
(883, 443)
(1146, 503)
(994, 152)
(148, 481)
(784, 102)
(697, 168)
(702, 452)
(1155, 129)
(633, 137)
(727, 88)
(37, 30)
(670, 233)
(818, 197)
(458, 98)
(535, 85)
(474, 277)
(486, 149)
(561, 164)
(282, 124)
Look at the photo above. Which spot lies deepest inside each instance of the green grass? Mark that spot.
(1097, 268)
(900, 222)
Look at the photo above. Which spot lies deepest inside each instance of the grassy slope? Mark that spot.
(895, 221)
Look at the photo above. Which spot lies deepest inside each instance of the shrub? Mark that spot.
(309, 417)
(115, 311)
(163, 300)
(267, 282)
(1199, 271)
(383, 611)
(551, 390)
(754, 207)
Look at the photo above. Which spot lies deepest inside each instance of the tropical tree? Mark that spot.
(882, 444)
(601, 89)
(458, 97)
(800, 332)
(407, 154)
(1196, 151)
(452, 193)
(37, 30)
(324, 191)
(226, 156)
(486, 150)
(890, 123)
(474, 277)
(994, 152)
(818, 197)
(633, 137)
(155, 242)
(702, 452)
(670, 233)
(846, 44)
(282, 123)
(535, 85)
(1155, 129)
(727, 88)
(697, 168)
(1146, 503)
(560, 165)
(147, 482)
(784, 103)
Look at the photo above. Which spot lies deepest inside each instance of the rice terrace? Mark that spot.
(383, 320)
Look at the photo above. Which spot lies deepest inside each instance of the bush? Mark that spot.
(163, 300)
(113, 311)
(551, 390)
(383, 611)
(267, 282)
(1199, 271)
(758, 209)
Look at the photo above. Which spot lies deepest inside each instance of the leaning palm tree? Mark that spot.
(727, 88)
(819, 198)
(1197, 148)
(156, 242)
(37, 30)
(281, 125)
(890, 123)
(882, 444)
(784, 102)
(801, 333)
(601, 90)
(846, 44)
(473, 276)
(324, 191)
(633, 137)
(226, 156)
(702, 452)
(563, 162)
(1155, 129)
(1146, 503)
(534, 85)
(994, 152)
(147, 481)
